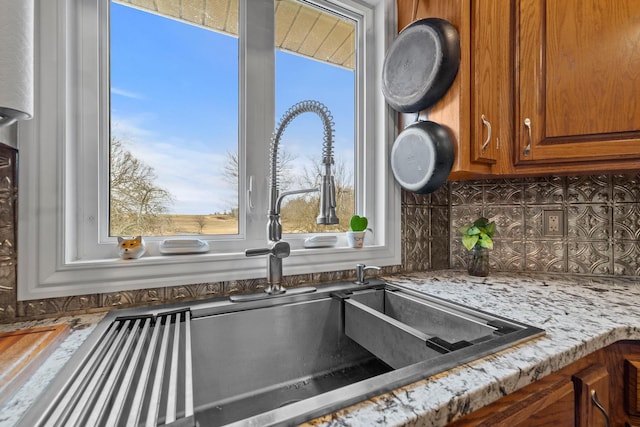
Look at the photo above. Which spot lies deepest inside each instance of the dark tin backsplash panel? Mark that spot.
(603, 233)
(602, 215)
(8, 221)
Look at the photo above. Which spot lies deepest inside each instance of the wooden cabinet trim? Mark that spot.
(603, 370)
(632, 386)
(517, 407)
(594, 379)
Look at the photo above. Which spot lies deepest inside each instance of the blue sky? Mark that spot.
(174, 102)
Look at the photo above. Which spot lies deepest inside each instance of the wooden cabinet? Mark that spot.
(577, 81)
(632, 389)
(478, 108)
(550, 403)
(556, 80)
(604, 382)
(491, 94)
(558, 400)
(591, 386)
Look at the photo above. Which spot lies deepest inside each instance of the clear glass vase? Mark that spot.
(478, 264)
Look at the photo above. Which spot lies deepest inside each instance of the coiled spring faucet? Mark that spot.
(277, 250)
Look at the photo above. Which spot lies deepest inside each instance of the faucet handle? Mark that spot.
(278, 249)
(361, 270)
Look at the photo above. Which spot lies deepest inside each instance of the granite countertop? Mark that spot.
(81, 326)
(579, 314)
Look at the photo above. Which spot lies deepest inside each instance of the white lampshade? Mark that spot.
(16, 60)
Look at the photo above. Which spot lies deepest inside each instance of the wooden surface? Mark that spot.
(537, 59)
(576, 72)
(564, 397)
(491, 92)
(595, 378)
(483, 85)
(592, 50)
(549, 403)
(454, 109)
(22, 352)
(632, 386)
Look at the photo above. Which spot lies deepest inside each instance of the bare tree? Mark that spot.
(231, 168)
(138, 206)
(230, 175)
(342, 175)
(201, 220)
(299, 214)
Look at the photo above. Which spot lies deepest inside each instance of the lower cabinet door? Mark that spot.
(554, 407)
(592, 396)
(548, 402)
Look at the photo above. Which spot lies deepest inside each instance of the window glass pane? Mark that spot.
(315, 60)
(174, 118)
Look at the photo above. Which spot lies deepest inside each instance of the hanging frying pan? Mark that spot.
(420, 65)
(422, 157)
(418, 69)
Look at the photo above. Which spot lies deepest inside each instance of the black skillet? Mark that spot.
(418, 69)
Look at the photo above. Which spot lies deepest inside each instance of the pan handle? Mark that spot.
(488, 125)
(527, 124)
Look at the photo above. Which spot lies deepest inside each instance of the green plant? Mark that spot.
(480, 233)
(358, 223)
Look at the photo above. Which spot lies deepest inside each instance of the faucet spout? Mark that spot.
(275, 253)
(277, 249)
(327, 200)
(274, 227)
(327, 188)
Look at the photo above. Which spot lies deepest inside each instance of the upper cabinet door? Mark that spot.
(578, 77)
(477, 110)
(491, 94)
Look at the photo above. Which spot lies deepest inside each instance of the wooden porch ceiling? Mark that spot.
(300, 29)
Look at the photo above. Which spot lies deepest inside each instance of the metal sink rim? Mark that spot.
(343, 397)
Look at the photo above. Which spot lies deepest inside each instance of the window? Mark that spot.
(174, 114)
(315, 59)
(173, 118)
(66, 231)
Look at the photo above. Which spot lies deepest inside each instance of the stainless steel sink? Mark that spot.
(403, 328)
(276, 361)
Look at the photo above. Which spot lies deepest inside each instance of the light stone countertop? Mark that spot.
(579, 314)
(81, 326)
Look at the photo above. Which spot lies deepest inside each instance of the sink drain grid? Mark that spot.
(139, 374)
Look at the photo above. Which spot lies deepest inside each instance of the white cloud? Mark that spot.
(126, 93)
(193, 176)
(192, 170)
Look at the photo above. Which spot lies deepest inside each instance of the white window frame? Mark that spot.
(60, 191)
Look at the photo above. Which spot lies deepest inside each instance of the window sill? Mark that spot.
(115, 274)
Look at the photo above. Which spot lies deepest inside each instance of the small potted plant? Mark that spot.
(478, 240)
(357, 228)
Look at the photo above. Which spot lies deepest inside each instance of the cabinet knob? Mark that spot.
(488, 125)
(527, 124)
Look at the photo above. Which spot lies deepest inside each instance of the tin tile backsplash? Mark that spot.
(601, 224)
(601, 229)
(8, 257)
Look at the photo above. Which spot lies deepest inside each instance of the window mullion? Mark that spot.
(257, 94)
